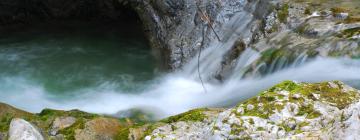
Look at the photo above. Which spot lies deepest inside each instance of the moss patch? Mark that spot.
(192, 115)
(350, 32)
(283, 13)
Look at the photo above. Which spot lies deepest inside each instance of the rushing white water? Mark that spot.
(175, 93)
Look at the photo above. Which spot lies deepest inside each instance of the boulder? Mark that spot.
(61, 123)
(23, 130)
(99, 129)
(289, 110)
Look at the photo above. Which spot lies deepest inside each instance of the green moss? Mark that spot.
(298, 131)
(5, 122)
(49, 113)
(309, 111)
(283, 13)
(251, 121)
(260, 129)
(268, 105)
(45, 118)
(350, 32)
(336, 96)
(285, 127)
(123, 134)
(69, 132)
(286, 85)
(307, 11)
(150, 128)
(302, 124)
(272, 101)
(236, 129)
(192, 115)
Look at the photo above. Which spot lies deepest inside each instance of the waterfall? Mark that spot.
(211, 58)
(179, 91)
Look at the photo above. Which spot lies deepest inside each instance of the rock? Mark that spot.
(174, 27)
(288, 110)
(57, 137)
(3, 136)
(61, 123)
(136, 133)
(99, 129)
(23, 130)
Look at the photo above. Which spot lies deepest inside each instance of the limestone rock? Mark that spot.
(61, 123)
(23, 130)
(288, 110)
(99, 129)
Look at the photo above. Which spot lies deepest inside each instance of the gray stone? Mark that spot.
(57, 137)
(61, 123)
(23, 130)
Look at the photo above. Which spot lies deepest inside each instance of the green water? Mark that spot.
(67, 58)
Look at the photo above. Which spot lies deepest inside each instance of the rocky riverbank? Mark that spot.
(294, 110)
(282, 32)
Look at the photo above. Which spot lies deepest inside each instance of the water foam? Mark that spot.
(175, 93)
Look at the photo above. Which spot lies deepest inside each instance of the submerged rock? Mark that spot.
(23, 130)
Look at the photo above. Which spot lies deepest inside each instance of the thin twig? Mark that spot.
(206, 17)
(202, 44)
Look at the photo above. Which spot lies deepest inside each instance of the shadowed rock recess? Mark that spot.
(283, 33)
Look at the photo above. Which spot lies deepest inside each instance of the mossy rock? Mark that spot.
(192, 115)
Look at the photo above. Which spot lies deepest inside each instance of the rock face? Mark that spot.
(23, 130)
(177, 29)
(289, 110)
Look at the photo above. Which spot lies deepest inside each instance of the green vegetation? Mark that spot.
(283, 13)
(69, 132)
(5, 122)
(285, 96)
(309, 111)
(350, 32)
(192, 115)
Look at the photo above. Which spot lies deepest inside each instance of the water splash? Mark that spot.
(180, 91)
(176, 93)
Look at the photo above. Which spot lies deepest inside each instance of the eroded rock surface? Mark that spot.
(99, 129)
(61, 123)
(289, 110)
(23, 130)
(177, 29)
